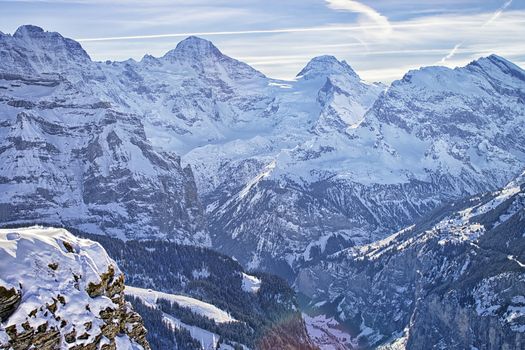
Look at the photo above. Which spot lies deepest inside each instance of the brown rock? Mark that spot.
(68, 247)
(98, 289)
(9, 301)
(71, 336)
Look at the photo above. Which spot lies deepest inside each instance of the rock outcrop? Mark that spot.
(9, 301)
(71, 295)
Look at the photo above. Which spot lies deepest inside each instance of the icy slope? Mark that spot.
(70, 293)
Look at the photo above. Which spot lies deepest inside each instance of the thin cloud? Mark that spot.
(365, 11)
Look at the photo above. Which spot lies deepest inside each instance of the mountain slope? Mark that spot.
(226, 119)
(454, 280)
(67, 292)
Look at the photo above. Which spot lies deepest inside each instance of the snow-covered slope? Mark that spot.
(250, 283)
(208, 339)
(199, 307)
(454, 280)
(68, 293)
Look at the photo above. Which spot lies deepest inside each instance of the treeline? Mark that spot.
(205, 275)
(160, 334)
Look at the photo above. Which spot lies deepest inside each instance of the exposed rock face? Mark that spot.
(9, 301)
(77, 305)
(455, 281)
(447, 315)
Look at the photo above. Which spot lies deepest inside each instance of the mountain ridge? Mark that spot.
(238, 129)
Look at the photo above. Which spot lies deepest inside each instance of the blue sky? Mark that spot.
(381, 39)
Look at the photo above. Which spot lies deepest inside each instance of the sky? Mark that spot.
(380, 39)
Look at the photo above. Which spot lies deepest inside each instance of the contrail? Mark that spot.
(498, 13)
(486, 23)
(242, 32)
(262, 31)
(452, 52)
(381, 22)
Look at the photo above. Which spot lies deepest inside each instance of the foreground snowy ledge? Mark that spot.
(62, 292)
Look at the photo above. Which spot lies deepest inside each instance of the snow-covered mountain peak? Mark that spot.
(204, 57)
(28, 30)
(194, 48)
(49, 40)
(150, 60)
(324, 66)
(495, 68)
(495, 61)
(475, 78)
(462, 114)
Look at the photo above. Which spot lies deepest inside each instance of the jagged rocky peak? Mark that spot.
(498, 68)
(493, 60)
(324, 66)
(32, 50)
(150, 60)
(466, 80)
(41, 37)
